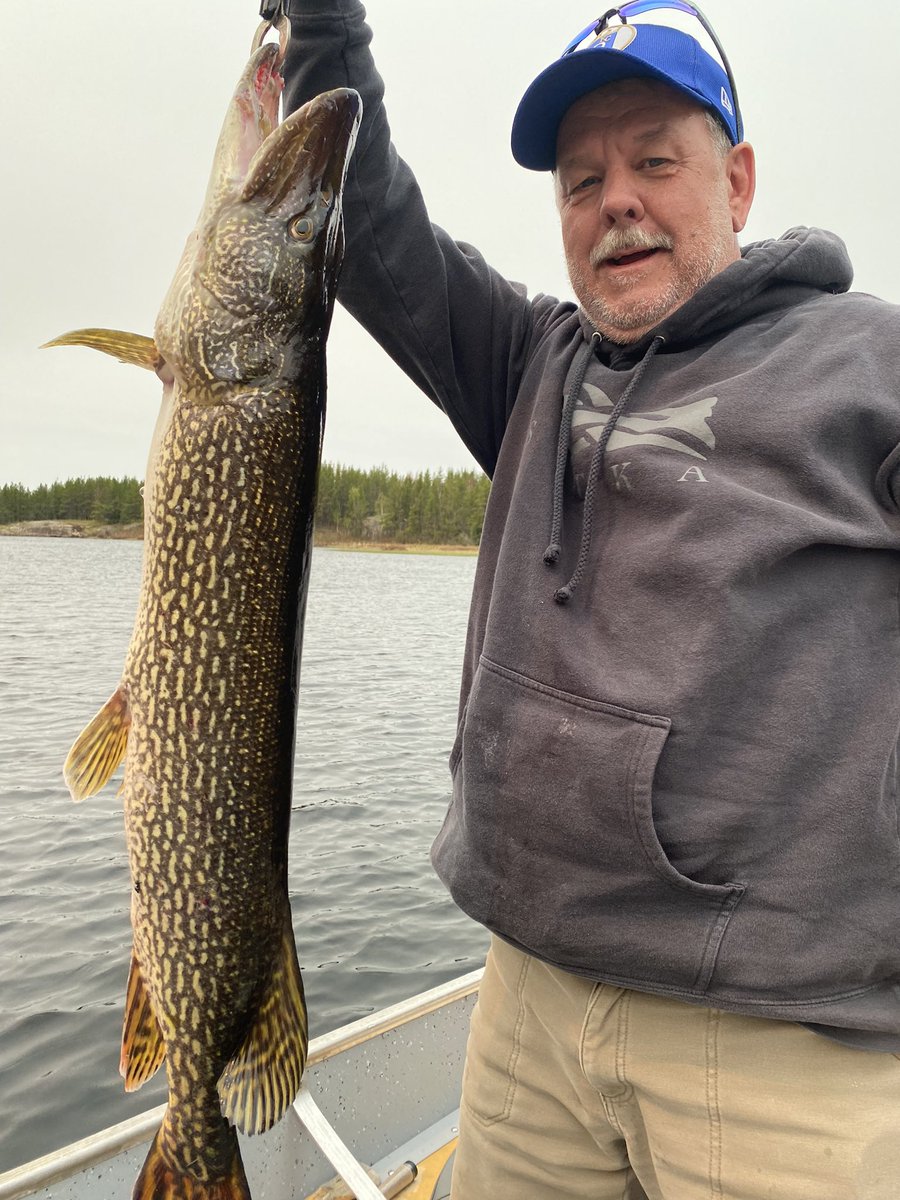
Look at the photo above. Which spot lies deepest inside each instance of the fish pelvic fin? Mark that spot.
(99, 748)
(143, 1048)
(162, 1180)
(131, 348)
(261, 1080)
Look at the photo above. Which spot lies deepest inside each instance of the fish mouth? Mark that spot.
(309, 150)
(256, 101)
(258, 76)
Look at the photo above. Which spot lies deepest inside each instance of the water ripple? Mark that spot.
(382, 654)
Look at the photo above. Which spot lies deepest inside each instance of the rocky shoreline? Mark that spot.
(73, 529)
(326, 540)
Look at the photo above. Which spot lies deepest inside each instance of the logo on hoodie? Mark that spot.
(683, 428)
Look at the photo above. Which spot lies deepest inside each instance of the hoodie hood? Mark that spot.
(769, 274)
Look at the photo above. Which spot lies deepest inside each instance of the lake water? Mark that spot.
(381, 663)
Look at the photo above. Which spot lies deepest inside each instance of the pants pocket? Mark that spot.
(490, 1075)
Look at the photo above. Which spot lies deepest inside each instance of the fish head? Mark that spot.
(260, 271)
(276, 252)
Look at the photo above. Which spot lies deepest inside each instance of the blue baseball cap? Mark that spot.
(618, 52)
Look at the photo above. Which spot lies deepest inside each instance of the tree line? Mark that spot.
(437, 508)
(441, 508)
(112, 501)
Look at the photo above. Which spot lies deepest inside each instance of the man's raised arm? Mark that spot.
(457, 327)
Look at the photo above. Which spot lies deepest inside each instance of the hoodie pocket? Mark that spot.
(550, 839)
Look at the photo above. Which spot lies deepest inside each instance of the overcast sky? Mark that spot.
(111, 113)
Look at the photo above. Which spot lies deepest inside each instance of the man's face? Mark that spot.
(649, 205)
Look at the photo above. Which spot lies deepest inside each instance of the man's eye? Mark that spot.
(584, 184)
(655, 162)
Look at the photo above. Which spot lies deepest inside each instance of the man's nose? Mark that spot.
(621, 203)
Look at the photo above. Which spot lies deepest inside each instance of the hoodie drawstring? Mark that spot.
(564, 594)
(553, 551)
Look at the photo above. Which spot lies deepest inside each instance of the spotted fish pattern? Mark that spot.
(205, 713)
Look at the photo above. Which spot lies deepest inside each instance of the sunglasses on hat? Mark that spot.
(601, 28)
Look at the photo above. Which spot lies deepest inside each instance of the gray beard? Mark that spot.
(623, 320)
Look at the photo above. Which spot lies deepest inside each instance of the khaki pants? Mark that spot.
(586, 1091)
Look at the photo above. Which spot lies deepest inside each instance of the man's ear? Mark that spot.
(740, 171)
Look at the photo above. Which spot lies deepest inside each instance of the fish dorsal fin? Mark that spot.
(132, 348)
(143, 1048)
(99, 748)
(262, 1078)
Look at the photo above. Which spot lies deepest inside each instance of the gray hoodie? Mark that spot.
(684, 779)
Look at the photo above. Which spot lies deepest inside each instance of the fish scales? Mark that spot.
(210, 752)
(207, 702)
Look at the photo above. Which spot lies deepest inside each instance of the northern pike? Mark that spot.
(204, 716)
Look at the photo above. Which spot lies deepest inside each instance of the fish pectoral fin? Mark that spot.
(261, 1080)
(143, 1048)
(131, 348)
(99, 748)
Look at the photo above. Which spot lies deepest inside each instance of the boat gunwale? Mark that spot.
(98, 1147)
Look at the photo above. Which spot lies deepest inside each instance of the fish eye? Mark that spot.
(301, 228)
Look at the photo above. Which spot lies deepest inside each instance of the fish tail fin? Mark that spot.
(160, 1179)
(132, 348)
(263, 1077)
(99, 748)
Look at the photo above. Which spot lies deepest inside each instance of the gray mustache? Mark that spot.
(619, 242)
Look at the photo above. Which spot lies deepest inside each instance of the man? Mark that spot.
(674, 782)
